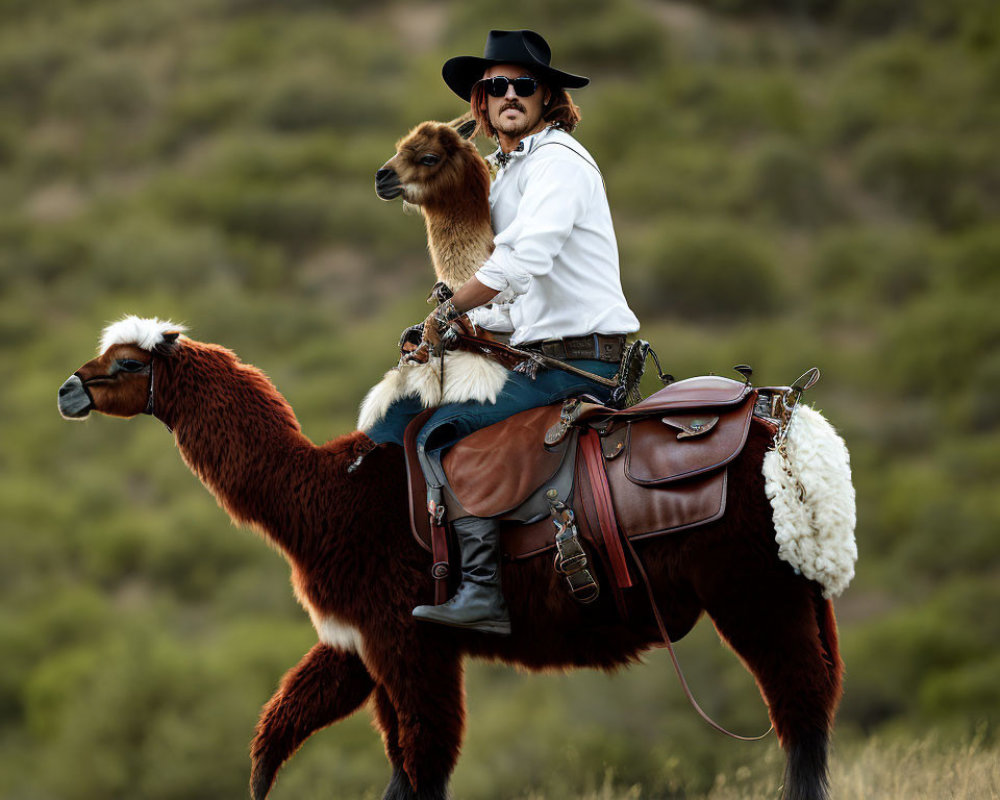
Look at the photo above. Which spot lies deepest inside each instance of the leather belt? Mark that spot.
(597, 346)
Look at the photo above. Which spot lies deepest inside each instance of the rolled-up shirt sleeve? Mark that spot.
(552, 203)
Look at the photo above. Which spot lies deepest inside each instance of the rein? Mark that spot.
(673, 656)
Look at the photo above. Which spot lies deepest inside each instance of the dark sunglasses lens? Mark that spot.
(496, 87)
(524, 87)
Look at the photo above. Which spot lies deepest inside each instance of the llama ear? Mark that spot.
(464, 125)
(466, 129)
(167, 344)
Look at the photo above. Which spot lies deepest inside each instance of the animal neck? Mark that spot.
(459, 231)
(241, 438)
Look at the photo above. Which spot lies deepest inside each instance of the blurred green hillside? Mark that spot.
(793, 183)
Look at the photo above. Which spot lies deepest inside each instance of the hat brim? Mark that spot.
(462, 72)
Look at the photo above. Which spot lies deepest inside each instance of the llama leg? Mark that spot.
(425, 691)
(325, 686)
(786, 635)
(399, 787)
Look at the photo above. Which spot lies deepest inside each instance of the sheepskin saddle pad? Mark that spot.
(656, 467)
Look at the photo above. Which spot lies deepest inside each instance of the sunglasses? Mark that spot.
(497, 87)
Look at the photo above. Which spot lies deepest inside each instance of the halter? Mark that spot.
(150, 408)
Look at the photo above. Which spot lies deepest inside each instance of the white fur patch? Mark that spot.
(812, 496)
(143, 333)
(467, 376)
(338, 634)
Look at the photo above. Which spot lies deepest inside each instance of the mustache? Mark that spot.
(513, 104)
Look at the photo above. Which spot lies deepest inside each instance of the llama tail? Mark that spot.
(806, 768)
(808, 481)
(325, 686)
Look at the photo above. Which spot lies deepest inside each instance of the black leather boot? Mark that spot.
(478, 604)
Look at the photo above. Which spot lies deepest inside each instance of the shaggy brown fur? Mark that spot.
(453, 194)
(346, 536)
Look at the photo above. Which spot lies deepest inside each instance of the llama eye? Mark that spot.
(130, 365)
(430, 160)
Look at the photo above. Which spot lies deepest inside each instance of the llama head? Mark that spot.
(119, 382)
(432, 162)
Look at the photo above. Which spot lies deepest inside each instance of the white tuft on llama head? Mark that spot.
(143, 333)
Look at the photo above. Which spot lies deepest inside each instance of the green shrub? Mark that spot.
(937, 343)
(975, 21)
(891, 659)
(628, 43)
(930, 178)
(294, 216)
(899, 85)
(101, 88)
(974, 263)
(854, 268)
(817, 8)
(704, 271)
(29, 63)
(784, 183)
(197, 111)
(302, 102)
(650, 180)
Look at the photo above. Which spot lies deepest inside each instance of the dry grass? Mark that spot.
(931, 768)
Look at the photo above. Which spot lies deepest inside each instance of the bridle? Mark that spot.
(150, 397)
(150, 408)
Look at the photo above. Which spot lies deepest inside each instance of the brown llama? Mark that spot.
(358, 571)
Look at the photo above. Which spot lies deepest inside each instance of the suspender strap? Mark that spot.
(590, 447)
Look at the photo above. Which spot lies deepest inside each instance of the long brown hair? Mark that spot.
(560, 111)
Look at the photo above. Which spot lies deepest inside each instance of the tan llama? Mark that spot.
(437, 169)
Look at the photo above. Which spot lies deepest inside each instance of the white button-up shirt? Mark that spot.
(555, 265)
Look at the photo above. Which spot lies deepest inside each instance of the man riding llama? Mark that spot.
(552, 284)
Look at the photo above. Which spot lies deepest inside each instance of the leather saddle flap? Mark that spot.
(496, 468)
(691, 394)
(662, 449)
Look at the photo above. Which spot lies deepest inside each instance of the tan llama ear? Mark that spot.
(465, 125)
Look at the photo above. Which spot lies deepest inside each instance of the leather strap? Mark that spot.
(440, 568)
(673, 656)
(590, 447)
(439, 545)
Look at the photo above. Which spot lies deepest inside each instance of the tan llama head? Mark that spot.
(119, 381)
(432, 164)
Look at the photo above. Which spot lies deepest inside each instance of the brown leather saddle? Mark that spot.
(654, 468)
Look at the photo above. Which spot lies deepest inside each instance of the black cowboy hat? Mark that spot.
(525, 48)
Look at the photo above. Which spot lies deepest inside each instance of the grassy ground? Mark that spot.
(930, 769)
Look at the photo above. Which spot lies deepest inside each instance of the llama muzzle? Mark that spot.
(387, 184)
(74, 400)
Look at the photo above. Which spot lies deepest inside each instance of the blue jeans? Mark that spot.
(454, 421)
